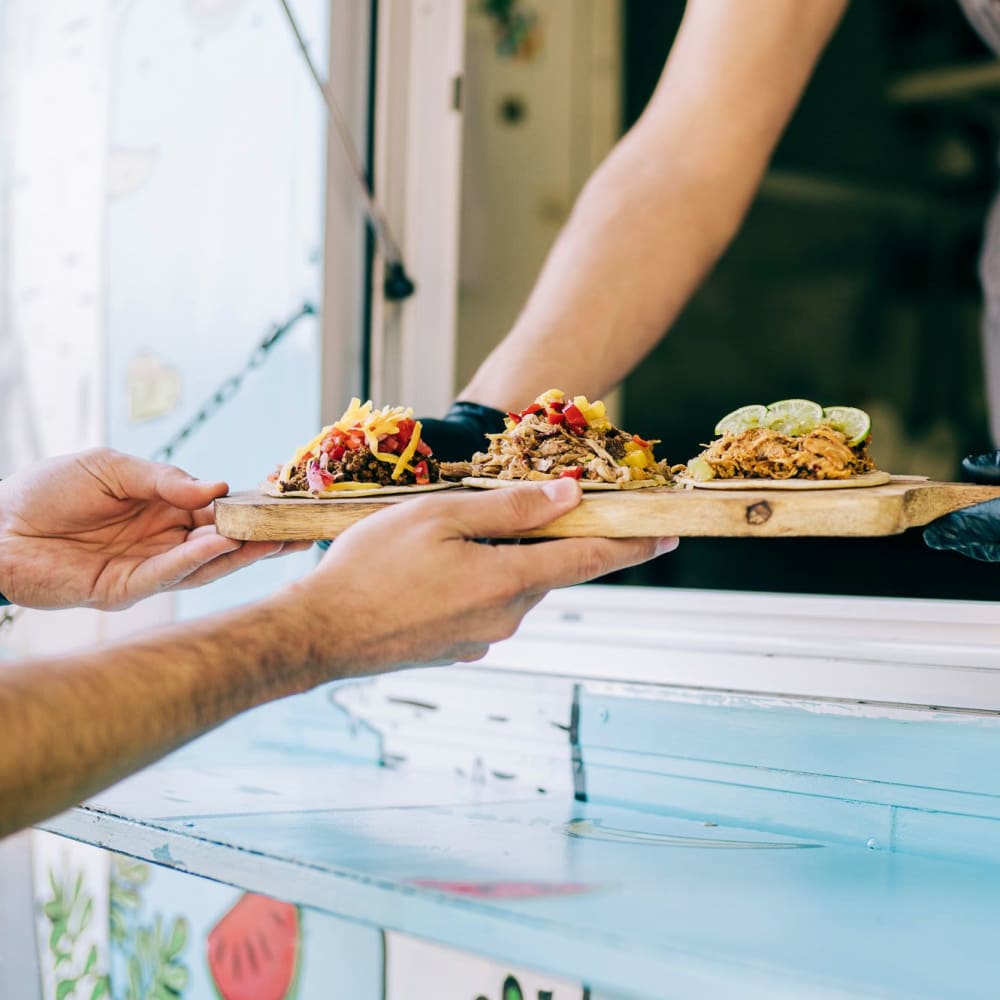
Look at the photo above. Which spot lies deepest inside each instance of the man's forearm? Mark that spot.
(641, 238)
(117, 708)
(665, 204)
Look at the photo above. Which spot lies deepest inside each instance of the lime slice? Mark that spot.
(699, 470)
(853, 423)
(742, 419)
(794, 417)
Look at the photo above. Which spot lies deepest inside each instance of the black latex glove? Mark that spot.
(458, 435)
(462, 431)
(974, 531)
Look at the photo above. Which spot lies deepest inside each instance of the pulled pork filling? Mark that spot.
(761, 453)
(534, 449)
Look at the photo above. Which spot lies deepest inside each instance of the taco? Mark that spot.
(794, 442)
(561, 437)
(366, 450)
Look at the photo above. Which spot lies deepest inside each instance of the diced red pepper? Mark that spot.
(574, 473)
(405, 431)
(556, 418)
(534, 408)
(639, 441)
(516, 417)
(575, 419)
(422, 475)
(557, 405)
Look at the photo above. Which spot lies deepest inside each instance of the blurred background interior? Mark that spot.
(853, 280)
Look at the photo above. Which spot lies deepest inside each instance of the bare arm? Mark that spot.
(72, 725)
(666, 202)
(408, 583)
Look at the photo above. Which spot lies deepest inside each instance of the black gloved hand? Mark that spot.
(974, 531)
(458, 435)
(983, 468)
(462, 431)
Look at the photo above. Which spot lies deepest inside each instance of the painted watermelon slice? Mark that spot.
(253, 949)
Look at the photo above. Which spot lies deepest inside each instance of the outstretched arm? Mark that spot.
(408, 583)
(666, 202)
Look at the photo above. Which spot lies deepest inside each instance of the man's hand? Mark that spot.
(102, 529)
(410, 585)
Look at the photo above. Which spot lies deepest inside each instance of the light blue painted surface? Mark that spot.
(836, 917)
(953, 751)
(671, 905)
(309, 726)
(922, 784)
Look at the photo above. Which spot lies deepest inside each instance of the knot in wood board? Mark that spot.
(759, 513)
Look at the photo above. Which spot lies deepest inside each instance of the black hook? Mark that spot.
(398, 285)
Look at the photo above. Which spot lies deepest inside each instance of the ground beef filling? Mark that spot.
(362, 467)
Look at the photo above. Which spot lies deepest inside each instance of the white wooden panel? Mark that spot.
(933, 653)
(417, 178)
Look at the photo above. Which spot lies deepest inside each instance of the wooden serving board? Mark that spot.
(905, 502)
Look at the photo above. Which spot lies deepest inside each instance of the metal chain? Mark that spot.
(226, 391)
(231, 386)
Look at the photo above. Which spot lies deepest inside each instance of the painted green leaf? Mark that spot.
(144, 947)
(512, 989)
(127, 897)
(61, 957)
(134, 978)
(77, 887)
(58, 930)
(54, 910)
(57, 889)
(64, 987)
(101, 989)
(88, 912)
(135, 872)
(178, 938)
(174, 977)
(91, 959)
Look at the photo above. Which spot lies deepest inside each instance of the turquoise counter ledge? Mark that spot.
(576, 818)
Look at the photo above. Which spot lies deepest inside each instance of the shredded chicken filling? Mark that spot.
(761, 453)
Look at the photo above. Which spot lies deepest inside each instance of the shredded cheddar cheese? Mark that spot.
(373, 424)
(402, 463)
(305, 449)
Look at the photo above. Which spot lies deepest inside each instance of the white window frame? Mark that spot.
(417, 177)
(343, 313)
